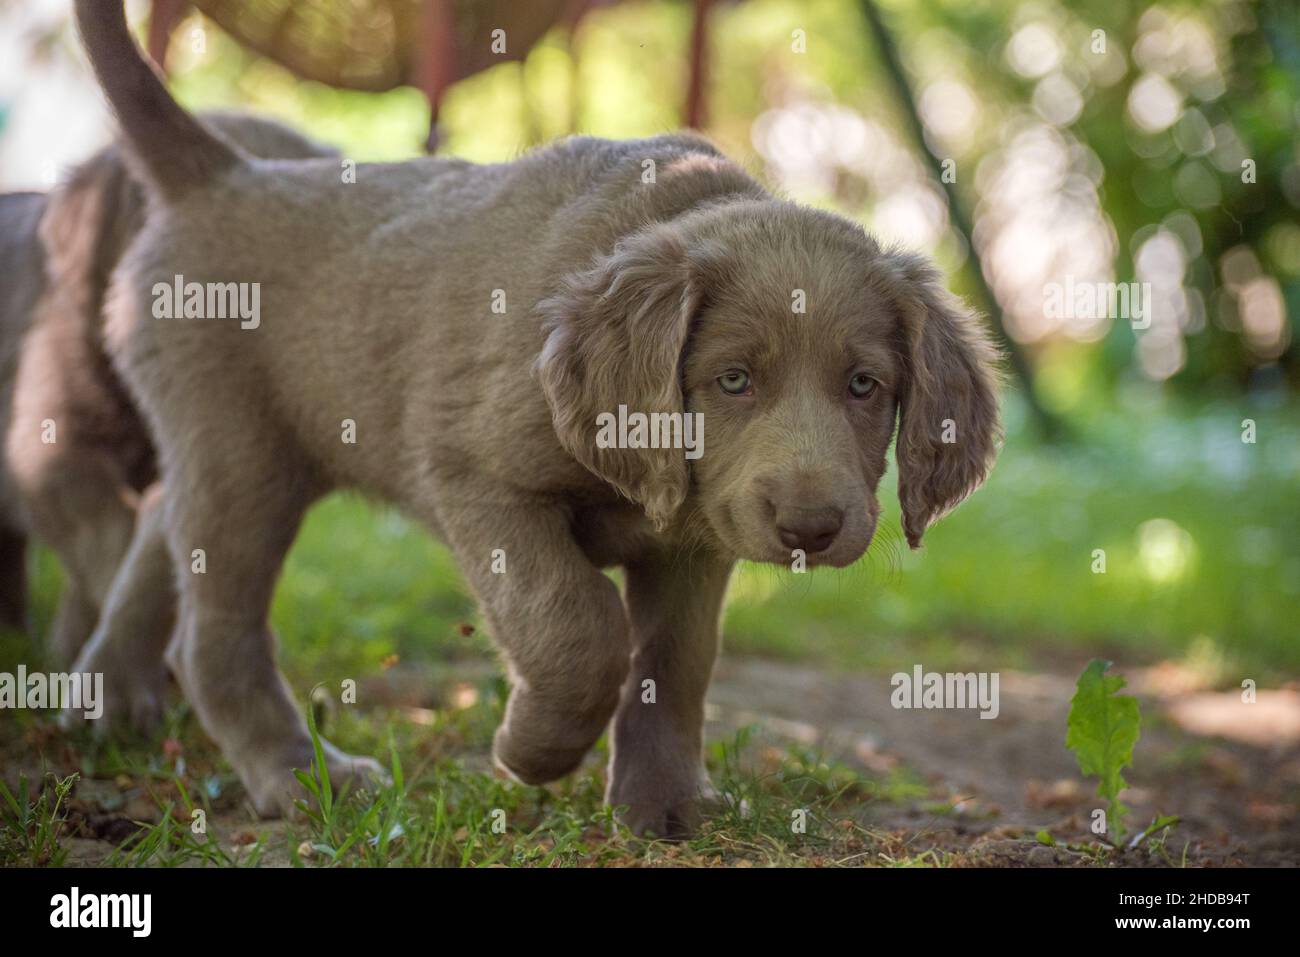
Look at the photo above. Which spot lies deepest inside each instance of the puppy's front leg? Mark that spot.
(656, 767)
(559, 622)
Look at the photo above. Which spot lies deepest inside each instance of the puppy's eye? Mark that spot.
(862, 385)
(735, 382)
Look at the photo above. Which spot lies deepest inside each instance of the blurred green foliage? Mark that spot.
(1161, 122)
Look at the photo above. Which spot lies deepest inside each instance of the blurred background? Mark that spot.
(1146, 504)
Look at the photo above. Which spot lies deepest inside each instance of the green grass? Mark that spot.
(439, 811)
(31, 824)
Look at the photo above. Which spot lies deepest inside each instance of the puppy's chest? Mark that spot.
(615, 534)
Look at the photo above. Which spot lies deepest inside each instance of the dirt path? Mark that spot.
(1230, 770)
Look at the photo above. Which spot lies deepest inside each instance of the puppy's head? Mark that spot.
(798, 341)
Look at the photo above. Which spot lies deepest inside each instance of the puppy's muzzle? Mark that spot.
(811, 529)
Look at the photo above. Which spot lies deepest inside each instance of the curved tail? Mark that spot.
(170, 150)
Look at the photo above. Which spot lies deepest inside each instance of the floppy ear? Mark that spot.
(948, 431)
(615, 335)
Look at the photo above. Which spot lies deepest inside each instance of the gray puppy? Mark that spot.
(453, 338)
(22, 263)
(76, 462)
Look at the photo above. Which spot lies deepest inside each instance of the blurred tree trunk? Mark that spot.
(697, 80)
(436, 61)
(164, 17)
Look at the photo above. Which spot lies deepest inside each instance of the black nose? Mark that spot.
(811, 529)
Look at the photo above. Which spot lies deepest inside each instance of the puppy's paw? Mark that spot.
(274, 789)
(671, 821)
(666, 803)
(530, 762)
(133, 696)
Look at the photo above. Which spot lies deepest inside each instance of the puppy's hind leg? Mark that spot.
(90, 530)
(74, 620)
(81, 507)
(128, 643)
(75, 490)
(223, 651)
